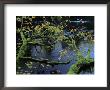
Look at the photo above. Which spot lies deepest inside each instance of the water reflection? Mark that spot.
(55, 55)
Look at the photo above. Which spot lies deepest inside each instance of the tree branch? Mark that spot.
(47, 61)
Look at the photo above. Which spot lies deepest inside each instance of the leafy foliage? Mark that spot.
(46, 31)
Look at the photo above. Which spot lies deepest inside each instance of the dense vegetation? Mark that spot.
(46, 31)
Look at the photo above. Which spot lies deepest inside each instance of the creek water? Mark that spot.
(39, 52)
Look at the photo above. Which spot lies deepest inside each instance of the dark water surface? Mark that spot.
(38, 52)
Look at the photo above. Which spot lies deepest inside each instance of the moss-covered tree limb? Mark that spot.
(22, 49)
(80, 66)
(47, 61)
(82, 63)
(36, 43)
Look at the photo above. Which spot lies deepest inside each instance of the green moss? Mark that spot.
(75, 68)
(46, 35)
(22, 49)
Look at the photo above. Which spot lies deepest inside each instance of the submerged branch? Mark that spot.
(47, 61)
